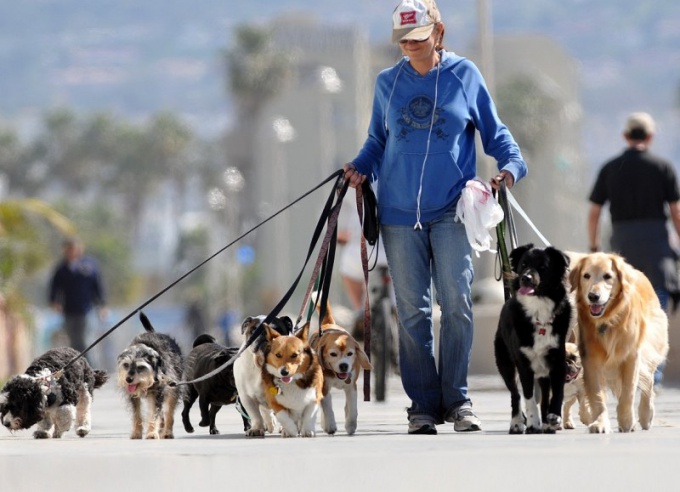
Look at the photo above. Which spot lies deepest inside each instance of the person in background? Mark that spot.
(421, 147)
(75, 288)
(642, 192)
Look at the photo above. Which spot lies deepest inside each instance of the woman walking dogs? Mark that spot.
(421, 148)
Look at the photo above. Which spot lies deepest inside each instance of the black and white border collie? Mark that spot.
(531, 336)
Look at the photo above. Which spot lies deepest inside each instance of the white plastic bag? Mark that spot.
(479, 210)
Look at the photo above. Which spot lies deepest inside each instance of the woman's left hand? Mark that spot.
(502, 176)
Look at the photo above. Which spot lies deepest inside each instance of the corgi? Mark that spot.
(341, 358)
(293, 381)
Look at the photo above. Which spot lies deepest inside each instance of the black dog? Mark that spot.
(36, 398)
(214, 392)
(146, 369)
(531, 337)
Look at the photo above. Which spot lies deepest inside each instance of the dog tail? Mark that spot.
(146, 323)
(202, 339)
(100, 377)
(328, 316)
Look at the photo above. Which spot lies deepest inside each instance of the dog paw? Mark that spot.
(568, 424)
(255, 433)
(153, 435)
(136, 435)
(214, 431)
(308, 433)
(204, 423)
(533, 430)
(330, 429)
(517, 425)
(351, 428)
(82, 431)
(41, 434)
(553, 422)
(627, 429)
(286, 434)
(189, 429)
(168, 435)
(599, 428)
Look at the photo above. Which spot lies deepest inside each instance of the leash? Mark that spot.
(322, 272)
(505, 268)
(507, 203)
(367, 305)
(337, 175)
(329, 214)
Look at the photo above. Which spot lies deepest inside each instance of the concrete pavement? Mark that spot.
(381, 456)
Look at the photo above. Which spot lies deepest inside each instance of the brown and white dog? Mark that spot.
(341, 358)
(622, 337)
(248, 374)
(574, 390)
(293, 381)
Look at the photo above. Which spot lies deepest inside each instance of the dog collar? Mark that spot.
(542, 327)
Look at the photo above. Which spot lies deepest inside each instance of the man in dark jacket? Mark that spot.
(74, 289)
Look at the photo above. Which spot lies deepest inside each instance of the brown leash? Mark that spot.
(367, 305)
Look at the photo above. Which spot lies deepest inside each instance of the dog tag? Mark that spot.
(348, 380)
(274, 390)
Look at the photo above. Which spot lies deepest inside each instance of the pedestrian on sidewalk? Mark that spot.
(421, 147)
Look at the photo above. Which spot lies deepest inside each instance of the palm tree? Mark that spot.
(22, 253)
(257, 71)
(22, 249)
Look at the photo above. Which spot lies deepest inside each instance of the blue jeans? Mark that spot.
(662, 294)
(439, 254)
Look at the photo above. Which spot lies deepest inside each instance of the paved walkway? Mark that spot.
(381, 456)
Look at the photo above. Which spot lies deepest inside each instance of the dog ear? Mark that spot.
(575, 275)
(517, 253)
(287, 324)
(303, 333)
(363, 359)
(558, 257)
(3, 402)
(271, 333)
(623, 273)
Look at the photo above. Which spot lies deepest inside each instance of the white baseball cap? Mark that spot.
(640, 121)
(414, 19)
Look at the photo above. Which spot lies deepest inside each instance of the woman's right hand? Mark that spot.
(352, 175)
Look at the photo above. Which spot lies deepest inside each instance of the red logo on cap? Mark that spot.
(408, 17)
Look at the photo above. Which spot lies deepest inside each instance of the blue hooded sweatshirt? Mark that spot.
(406, 145)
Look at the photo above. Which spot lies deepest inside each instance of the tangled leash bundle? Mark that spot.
(337, 176)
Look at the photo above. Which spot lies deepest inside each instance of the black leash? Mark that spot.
(329, 214)
(508, 221)
(337, 175)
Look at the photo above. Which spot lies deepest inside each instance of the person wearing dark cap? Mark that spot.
(75, 288)
(642, 192)
(427, 110)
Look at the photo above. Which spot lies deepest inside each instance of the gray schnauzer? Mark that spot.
(145, 370)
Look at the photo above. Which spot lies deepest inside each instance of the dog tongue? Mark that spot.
(131, 388)
(342, 375)
(286, 379)
(596, 309)
(526, 290)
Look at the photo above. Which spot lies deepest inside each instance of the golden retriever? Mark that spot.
(622, 338)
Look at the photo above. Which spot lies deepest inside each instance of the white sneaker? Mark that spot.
(464, 419)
